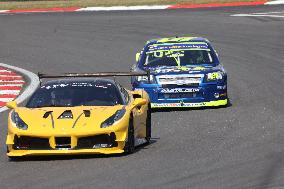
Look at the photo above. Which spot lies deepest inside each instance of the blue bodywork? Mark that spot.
(182, 86)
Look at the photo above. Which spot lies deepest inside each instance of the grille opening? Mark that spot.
(98, 141)
(63, 142)
(178, 95)
(30, 143)
(179, 80)
(177, 86)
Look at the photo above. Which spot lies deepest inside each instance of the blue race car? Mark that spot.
(183, 72)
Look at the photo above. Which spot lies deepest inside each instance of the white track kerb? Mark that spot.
(117, 8)
(277, 2)
(33, 83)
(143, 7)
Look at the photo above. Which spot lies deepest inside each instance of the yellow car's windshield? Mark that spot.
(76, 94)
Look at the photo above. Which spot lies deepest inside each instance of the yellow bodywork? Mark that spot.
(79, 126)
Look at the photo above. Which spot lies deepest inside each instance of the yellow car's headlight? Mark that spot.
(112, 119)
(18, 121)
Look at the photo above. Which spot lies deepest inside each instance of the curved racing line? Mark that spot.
(17, 81)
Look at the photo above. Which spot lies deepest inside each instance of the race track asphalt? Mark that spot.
(238, 147)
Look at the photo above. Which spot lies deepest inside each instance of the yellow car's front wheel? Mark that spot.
(11, 158)
(130, 142)
(148, 125)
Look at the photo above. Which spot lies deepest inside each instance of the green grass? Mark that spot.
(26, 4)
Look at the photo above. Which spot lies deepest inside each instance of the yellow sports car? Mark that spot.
(79, 116)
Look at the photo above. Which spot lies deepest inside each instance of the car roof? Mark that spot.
(178, 40)
(79, 80)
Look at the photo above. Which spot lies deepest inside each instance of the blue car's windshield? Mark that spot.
(187, 54)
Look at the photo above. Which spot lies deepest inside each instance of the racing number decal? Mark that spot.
(158, 54)
(169, 53)
(214, 76)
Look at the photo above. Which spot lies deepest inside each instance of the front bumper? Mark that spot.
(203, 95)
(17, 153)
(188, 105)
(27, 145)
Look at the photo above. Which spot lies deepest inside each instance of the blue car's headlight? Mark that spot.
(112, 119)
(144, 79)
(214, 76)
(18, 121)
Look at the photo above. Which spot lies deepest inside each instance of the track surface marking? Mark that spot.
(11, 85)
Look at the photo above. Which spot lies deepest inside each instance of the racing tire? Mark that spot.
(130, 143)
(148, 125)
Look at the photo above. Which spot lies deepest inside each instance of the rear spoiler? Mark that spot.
(98, 74)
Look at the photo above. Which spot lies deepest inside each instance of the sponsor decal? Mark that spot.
(176, 47)
(73, 85)
(197, 104)
(181, 104)
(198, 68)
(180, 90)
(166, 70)
(178, 69)
(222, 87)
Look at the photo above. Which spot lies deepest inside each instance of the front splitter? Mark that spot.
(188, 105)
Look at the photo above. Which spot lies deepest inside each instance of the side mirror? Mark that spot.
(137, 94)
(139, 102)
(137, 57)
(12, 104)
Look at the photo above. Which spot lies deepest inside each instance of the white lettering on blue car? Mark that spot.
(180, 90)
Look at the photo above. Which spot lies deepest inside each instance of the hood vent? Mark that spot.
(87, 113)
(67, 114)
(46, 114)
